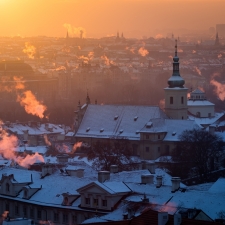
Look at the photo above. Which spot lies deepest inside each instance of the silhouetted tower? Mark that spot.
(88, 100)
(172, 36)
(217, 41)
(81, 34)
(67, 38)
(118, 37)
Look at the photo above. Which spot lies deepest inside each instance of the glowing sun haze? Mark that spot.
(105, 17)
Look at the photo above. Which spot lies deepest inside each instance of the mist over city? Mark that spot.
(112, 112)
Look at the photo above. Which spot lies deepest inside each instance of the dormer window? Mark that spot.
(104, 203)
(87, 201)
(65, 202)
(121, 131)
(101, 130)
(7, 186)
(88, 128)
(25, 193)
(95, 202)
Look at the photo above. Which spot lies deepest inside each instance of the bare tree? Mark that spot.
(106, 153)
(198, 151)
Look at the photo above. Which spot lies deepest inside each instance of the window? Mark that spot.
(65, 218)
(171, 100)
(95, 202)
(182, 100)
(25, 193)
(167, 149)
(56, 217)
(31, 213)
(158, 149)
(25, 211)
(87, 201)
(16, 210)
(209, 114)
(65, 201)
(104, 203)
(39, 214)
(6, 207)
(7, 187)
(158, 136)
(74, 219)
(147, 136)
(147, 149)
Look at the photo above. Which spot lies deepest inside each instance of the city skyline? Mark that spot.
(106, 18)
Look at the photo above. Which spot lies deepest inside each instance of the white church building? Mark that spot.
(151, 131)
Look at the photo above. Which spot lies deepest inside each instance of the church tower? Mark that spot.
(217, 41)
(176, 93)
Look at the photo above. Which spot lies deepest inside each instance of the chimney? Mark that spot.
(211, 129)
(103, 176)
(151, 167)
(46, 126)
(162, 218)
(177, 219)
(29, 123)
(46, 170)
(113, 169)
(147, 179)
(158, 181)
(175, 184)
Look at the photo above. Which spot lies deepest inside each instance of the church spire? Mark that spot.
(176, 80)
(88, 101)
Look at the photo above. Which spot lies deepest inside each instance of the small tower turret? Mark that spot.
(176, 93)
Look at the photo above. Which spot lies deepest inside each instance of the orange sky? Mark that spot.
(105, 17)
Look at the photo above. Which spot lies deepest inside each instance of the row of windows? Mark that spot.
(147, 136)
(96, 202)
(181, 101)
(167, 149)
(65, 217)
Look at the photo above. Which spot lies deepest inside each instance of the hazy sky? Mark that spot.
(105, 17)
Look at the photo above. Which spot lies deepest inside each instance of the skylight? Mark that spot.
(116, 117)
(101, 130)
(135, 118)
(148, 124)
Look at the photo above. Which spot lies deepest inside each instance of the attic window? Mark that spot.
(149, 125)
(135, 118)
(137, 131)
(174, 133)
(101, 130)
(121, 131)
(116, 117)
(87, 129)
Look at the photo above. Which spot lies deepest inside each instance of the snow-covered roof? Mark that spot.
(116, 121)
(172, 128)
(199, 103)
(206, 121)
